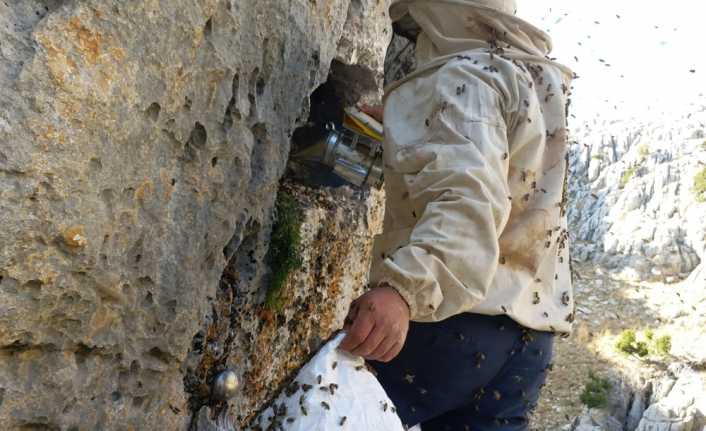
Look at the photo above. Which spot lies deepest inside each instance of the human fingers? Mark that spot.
(383, 348)
(372, 341)
(359, 330)
(392, 352)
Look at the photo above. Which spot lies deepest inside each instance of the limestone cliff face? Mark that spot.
(141, 148)
(635, 203)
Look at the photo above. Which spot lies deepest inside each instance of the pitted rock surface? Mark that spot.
(140, 144)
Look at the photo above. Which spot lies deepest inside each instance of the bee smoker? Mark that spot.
(353, 152)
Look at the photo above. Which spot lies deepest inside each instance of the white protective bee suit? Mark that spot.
(475, 169)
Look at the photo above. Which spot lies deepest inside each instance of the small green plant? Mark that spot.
(595, 393)
(283, 254)
(629, 344)
(643, 150)
(627, 175)
(700, 185)
(663, 345)
(657, 346)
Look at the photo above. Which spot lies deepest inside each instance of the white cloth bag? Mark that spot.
(341, 395)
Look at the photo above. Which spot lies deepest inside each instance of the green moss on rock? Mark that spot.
(283, 255)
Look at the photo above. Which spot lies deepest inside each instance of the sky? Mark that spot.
(651, 48)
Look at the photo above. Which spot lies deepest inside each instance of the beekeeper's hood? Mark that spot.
(452, 26)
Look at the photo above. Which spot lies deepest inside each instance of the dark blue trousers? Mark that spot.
(468, 373)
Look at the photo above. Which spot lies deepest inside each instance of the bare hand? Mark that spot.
(377, 325)
(374, 111)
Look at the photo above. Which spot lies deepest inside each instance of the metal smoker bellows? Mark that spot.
(354, 152)
(354, 157)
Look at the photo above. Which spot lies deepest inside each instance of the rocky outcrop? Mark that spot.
(634, 208)
(141, 149)
(676, 401)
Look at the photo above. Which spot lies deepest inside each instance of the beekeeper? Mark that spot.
(470, 277)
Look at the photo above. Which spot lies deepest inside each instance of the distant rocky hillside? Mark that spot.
(637, 191)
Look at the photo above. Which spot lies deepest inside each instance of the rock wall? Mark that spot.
(141, 148)
(634, 208)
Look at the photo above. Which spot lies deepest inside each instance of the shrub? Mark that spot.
(629, 345)
(643, 151)
(283, 254)
(663, 345)
(700, 186)
(595, 393)
(627, 175)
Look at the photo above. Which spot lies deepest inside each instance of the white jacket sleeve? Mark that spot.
(447, 157)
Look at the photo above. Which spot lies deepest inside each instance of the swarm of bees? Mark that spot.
(277, 416)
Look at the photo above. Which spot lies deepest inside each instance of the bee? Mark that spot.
(325, 405)
(536, 299)
(548, 97)
(318, 379)
(547, 244)
(502, 307)
(502, 260)
(526, 102)
(342, 421)
(565, 298)
(537, 280)
(290, 420)
(526, 197)
(384, 406)
(303, 409)
(427, 122)
(534, 185)
(505, 156)
(545, 314)
(529, 120)
(549, 87)
(335, 364)
(524, 176)
(306, 387)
